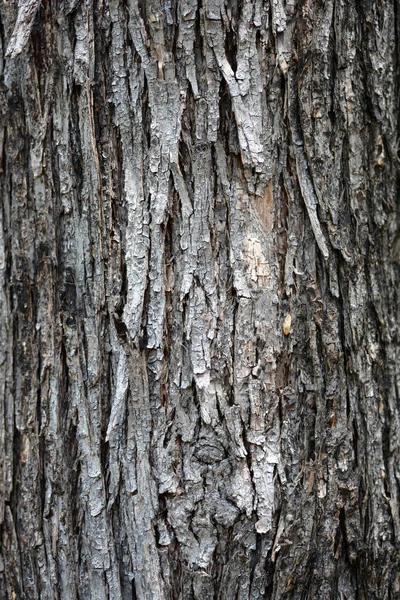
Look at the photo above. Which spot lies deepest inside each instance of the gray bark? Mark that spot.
(199, 358)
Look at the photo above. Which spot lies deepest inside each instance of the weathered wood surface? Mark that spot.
(199, 359)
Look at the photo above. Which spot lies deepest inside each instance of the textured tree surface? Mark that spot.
(199, 358)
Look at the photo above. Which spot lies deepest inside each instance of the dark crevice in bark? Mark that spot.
(231, 386)
(355, 445)
(76, 146)
(344, 328)
(196, 402)
(235, 8)
(73, 464)
(231, 47)
(143, 15)
(170, 25)
(146, 114)
(3, 148)
(187, 141)
(40, 434)
(169, 430)
(13, 500)
(199, 42)
(255, 557)
(184, 157)
(175, 561)
(68, 294)
(247, 446)
(118, 206)
(227, 123)
(169, 263)
(306, 584)
(271, 562)
(119, 308)
(294, 114)
(122, 331)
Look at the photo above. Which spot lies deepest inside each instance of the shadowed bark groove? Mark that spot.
(199, 312)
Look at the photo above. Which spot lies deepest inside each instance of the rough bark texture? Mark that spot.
(199, 359)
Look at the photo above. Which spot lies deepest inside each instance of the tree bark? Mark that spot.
(199, 357)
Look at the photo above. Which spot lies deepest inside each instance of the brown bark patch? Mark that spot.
(264, 206)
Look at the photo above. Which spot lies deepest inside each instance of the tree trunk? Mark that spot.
(199, 302)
